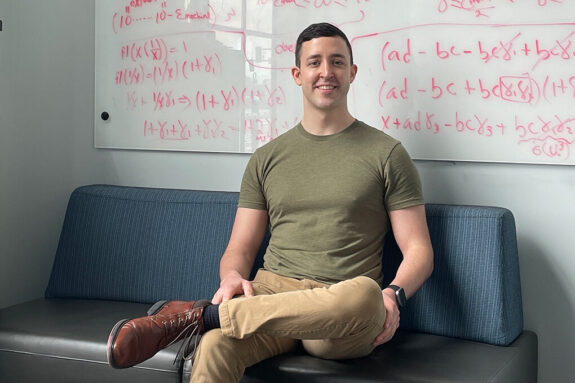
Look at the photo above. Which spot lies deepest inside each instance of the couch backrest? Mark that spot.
(474, 292)
(141, 244)
(145, 244)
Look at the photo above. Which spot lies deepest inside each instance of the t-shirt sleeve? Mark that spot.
(402, 183)
(251, 191)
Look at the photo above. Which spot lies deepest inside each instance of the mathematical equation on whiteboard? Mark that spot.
(537, 85)
(464, 71)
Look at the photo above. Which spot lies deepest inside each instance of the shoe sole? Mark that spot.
(112, 342)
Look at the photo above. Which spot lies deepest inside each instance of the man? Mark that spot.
(329, 189)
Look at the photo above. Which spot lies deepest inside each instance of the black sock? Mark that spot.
(211, 317)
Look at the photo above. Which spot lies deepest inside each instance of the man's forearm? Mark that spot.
(235, 263)
(245, 239)
(412, 236)
(414, 270)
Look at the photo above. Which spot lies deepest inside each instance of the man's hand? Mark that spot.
(233, 284)
(391, 318)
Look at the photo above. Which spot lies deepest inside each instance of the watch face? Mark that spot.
(399, 295)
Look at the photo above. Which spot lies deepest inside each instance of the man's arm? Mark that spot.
(237, 261)
(412, 236)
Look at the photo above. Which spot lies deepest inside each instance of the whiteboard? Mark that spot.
(461, 80)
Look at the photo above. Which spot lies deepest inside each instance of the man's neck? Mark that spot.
(325, 124)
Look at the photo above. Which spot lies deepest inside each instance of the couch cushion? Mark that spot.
(411, 358)
(141, 244)
(64, 340)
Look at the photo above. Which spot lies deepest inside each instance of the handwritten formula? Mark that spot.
(485, 80)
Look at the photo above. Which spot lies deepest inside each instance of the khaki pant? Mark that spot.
(332, 321)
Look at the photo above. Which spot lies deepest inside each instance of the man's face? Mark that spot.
(325, 73)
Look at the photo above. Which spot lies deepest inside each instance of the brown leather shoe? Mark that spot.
(133, 341)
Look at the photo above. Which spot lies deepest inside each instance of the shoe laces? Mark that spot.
(189, 333)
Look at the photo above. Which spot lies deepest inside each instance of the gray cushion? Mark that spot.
(411, 358)
(64, 340)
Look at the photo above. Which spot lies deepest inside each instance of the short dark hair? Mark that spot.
(319, 30)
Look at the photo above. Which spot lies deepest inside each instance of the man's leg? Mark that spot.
(349, 347)
(348, 314)
(337, 321)
(221, 359)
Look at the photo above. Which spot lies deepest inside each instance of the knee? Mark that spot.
(368, 287)
(362, 295)
(369, 297)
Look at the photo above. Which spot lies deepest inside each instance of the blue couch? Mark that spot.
(123, 248)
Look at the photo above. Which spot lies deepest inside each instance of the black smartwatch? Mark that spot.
(399, 295)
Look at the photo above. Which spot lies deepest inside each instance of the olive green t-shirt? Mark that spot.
(328, 199)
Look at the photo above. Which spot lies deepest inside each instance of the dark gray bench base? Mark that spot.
(67, 338)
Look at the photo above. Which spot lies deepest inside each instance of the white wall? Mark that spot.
(46, 149)
(37, 116)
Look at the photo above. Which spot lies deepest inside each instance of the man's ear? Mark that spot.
(353, 73)
(295, 73)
